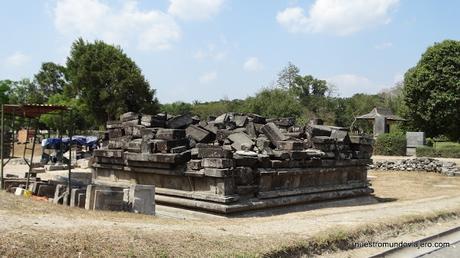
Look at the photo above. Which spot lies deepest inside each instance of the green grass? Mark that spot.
(440, 149)
(443, 145)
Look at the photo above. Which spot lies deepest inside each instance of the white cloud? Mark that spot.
(208, 77)
(383, 45)
(16, 59)
(94, 19)
(195, 9)
(211, 52)
(349, 84)
(253, 64)
(339, 17)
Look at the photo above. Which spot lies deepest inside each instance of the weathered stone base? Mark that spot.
(243, 188)
(254, 204)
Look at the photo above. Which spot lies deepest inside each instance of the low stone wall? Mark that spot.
(418, 164)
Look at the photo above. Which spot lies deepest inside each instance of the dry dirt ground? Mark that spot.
(427, 202)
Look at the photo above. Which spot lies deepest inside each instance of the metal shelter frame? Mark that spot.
(32, 112)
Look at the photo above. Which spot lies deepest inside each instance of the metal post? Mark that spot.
(69, 165)
(1, 149)
(61, 153)
(33, 150)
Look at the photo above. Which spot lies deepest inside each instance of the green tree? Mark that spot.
(432, 91)
(287, 76)
(108, 81)
(51, 79)
(25, 91)
(274, 103)
(5, 87)
(78, 117)
(177, 108)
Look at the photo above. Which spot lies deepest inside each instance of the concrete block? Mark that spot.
(59, 193)
(244, 175)
(108, 153)
(175, 158)
(142, 199)
(46, 190)
(290, 145)
(273, 133)
(113, 124)
(216, 172)
(213, 152)
(415, 139)
(241, 141)
(128, 116)
(240, 121)
(199, 134)
(148, 133)
(81, 200)
(167, 145)
(194, 164)
(115, 133)
(170, 134)
(108, 200)
(251, 130)
(179, 122)
(319, 130)
(89, 197)
(380, 125)
(178, 149)
(135, 145)
(217, 163)
(74, 196)
(19, 191)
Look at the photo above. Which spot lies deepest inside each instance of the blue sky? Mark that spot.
(213, 49)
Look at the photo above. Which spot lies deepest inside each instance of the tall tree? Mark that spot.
(51, 79)
(432, 90)
(287, 76)
(5, 87)
(25, 91)
(108, 81)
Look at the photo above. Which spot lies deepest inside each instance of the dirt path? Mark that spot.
(399, 195)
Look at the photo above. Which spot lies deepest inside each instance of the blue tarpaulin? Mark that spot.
(53, 143)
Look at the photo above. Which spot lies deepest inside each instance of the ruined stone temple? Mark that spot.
(231, 163)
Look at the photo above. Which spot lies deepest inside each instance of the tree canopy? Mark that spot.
(51, 79)
(108, 81)
(432, 91)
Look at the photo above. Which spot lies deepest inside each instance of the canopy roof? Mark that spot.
(385, 112)
(31, 110)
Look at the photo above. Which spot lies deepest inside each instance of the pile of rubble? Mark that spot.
(230, 158)
(418, 164)
(244, 135)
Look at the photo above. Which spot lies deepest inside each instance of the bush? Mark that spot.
(390, 144)
(447, 151)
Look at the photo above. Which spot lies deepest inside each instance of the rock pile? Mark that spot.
(418, 164)
(174, 137)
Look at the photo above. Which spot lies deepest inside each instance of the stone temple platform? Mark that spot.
(233, 163)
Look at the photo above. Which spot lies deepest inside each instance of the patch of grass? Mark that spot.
(342, 239)
(440, 149)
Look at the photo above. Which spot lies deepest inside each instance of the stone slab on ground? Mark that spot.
(142, 199)
(74, 196)
(108, 200)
